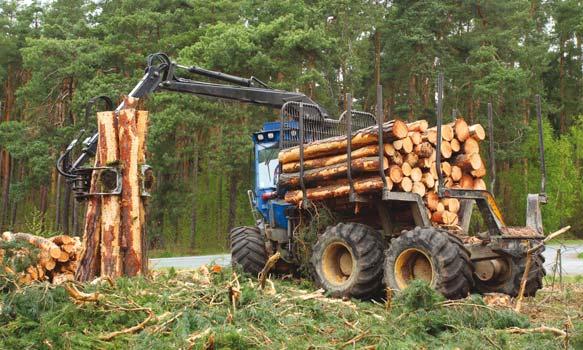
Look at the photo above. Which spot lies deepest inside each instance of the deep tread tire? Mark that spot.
(365, 245)
(449, 260)
(248, 249)
(511, 285)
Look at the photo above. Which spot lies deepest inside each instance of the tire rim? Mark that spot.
(337, 263)
(413, 264)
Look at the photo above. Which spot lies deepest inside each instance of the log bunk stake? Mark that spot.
(114, 234)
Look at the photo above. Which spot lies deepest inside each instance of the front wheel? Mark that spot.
(348, 260)
(248, 249)
(432, 255)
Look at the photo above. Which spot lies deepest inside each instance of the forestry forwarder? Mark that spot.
(380, 238)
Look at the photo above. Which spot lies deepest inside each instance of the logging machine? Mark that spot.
(361, 234)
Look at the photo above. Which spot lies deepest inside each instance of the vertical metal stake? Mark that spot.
(541, 148)
(302, 184)
(380, 126)
(491, 149)
(439, 124)
(349, 145)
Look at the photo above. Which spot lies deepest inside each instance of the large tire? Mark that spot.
(248, 249)
(511, 283)
(348, 260)
(429, 254)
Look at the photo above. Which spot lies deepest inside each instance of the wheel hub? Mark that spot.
(413, 264)
(337, 263)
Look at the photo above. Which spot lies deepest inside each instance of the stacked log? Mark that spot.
(57, 258)
(409, 163)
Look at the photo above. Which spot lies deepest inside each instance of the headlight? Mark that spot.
(260, 137)
(270, 135)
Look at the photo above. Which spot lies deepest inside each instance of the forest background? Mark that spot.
(56, 55)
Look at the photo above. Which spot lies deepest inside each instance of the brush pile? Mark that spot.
(409, 163)
(55, 258)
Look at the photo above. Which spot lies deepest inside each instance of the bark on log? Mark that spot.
(424, 150)
(477, 132)
(412, 159)
(142, 124)
(110, 205)
(90, 264)
(358, 165)
(39, 242)
(431, 200)
(364, 185)
(397, 159)
(130, 204)
(368, 151)
(467, 182)
(392, 130)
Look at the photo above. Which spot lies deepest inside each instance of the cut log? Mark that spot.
(431, 200)
(411, 159)
(461, 129)
(446, 168)
(467, 182)
(446, 150)
(416, 174)
(397, 159)
(42, 243)
(142, 133)
(430, 136)
(446, 132)
(440, 206)
(110, 206)
(419, 188)
(471, 146)
(406, 184)
(62, 240)
(452, 204)
(395, 174)
(448, 182)
(64, 257)
(407, 145)
(367, 151)
(419, 125)
(477, 132)
(468, 162)
(433, 171)
(479, 184)
(455, 145)
(428, 180)
(392, 130)
(406, 169)
(456, 173)
(291, 180)
(415, 137)
(389, 149)
(479, 172)
(131, 230)
(444, 217)
(365, 185)
(424, 150)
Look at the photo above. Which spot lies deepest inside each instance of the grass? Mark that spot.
(194, 309)
(567, 242)
(183, 250)
(580, 255)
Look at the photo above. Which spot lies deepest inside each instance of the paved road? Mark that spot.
(571, 264)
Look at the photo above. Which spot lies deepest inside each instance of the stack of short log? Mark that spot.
(57, 258)
(409, 162)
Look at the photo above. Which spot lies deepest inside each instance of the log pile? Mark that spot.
(409, 163)
(57, 258)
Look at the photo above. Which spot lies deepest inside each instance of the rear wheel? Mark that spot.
(248, 249)
(432, 255)
(348, 260)
(509, 283)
